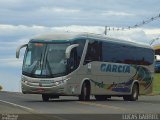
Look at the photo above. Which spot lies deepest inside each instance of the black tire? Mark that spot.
(126, 98)
(134, 95)
(45, 97)
(101, 97)
(85, 92)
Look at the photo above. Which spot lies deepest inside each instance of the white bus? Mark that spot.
(86, 64)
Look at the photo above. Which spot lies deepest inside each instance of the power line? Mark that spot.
(144, 22)
(155, 39)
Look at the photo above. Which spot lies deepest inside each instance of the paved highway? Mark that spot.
(18, 103)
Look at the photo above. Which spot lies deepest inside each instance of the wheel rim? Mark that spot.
(85, 92)
(135, 93)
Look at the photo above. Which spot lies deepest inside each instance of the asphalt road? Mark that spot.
(66, 108)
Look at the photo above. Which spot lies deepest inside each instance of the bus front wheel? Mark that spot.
(134, 94)
(85, 92)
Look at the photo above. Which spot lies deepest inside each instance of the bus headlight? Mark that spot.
(26, 81)
(60, 82)
(57, 83)
(65, 80)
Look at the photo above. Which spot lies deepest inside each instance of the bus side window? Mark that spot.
(73, 61)
(94, 52)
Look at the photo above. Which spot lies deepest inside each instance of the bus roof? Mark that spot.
(70, 36)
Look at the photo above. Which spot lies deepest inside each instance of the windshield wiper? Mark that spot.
(36, 64)
(48, 65)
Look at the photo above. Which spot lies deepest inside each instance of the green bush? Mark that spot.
(156, 83)
(0, 88)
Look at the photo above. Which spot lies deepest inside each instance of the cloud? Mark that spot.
(73, 12)
(59, 10)
(20, 30)
(11, 62)
(114, 13)
(7, 46)
(20, 34)
(152, 31)
(10, 80)
(139, 35)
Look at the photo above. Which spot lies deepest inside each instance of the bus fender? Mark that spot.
(85, 79)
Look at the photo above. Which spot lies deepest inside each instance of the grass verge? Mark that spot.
(156, 83)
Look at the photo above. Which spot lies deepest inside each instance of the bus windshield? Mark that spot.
(45, 59)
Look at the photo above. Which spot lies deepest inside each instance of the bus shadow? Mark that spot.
(72, 100)
(52, 100)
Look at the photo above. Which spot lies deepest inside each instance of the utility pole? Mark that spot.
(105, 31)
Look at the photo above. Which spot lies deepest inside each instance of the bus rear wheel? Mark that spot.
(134, 95)
(45, 97)
(85, 92)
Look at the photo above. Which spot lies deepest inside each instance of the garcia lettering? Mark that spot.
(115, 68)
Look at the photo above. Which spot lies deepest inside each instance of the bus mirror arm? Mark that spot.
(19, 48)
(69, 49)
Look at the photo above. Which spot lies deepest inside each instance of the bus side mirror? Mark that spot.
(69, 49)
(18, 50)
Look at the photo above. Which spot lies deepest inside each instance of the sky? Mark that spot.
(20, 20)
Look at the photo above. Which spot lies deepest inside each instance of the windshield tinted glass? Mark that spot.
(45, 60)
(55, 60)
(34, 58)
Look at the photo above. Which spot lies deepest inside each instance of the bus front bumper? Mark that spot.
(38, 87)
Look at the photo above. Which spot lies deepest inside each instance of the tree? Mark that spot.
(0, 87)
